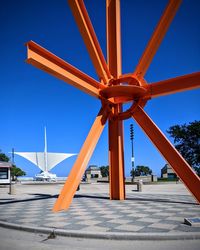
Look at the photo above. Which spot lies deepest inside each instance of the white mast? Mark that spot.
(45, 150)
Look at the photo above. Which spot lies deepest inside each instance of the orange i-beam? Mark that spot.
(115, 132)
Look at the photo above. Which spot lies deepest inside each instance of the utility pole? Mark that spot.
(13, 155)
(11, 186)
(132, 151)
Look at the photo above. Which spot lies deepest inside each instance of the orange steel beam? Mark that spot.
(87, 31)
(65, 198)
(116, 145)
(113, 37)
(116, 160)
(172, 156)
(174, 85)
(45, 60)
(157, 37)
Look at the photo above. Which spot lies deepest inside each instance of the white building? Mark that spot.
(45, 160)
(5, 172)
(93, 172)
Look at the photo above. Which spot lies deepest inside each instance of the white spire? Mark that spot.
(45, 150)
(45, 139)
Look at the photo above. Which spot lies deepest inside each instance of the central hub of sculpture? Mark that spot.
(123, 90)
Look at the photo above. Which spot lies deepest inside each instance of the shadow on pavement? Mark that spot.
(161, 200)
(38, 196)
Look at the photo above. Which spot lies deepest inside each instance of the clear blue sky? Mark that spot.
(31, 99)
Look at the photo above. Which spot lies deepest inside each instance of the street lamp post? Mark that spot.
(11, 186)
(132, 152)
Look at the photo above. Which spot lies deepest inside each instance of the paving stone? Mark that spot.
(146, 219)
(153, 230)
(129, 228)
(119, 221)
(57, 224)
(163, 226)
(96, 229)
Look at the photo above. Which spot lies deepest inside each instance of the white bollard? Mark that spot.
(139, 186)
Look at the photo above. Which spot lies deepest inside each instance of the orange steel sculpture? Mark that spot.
(115, 89)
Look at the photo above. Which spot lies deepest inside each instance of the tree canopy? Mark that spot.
(187, 141)
(104, 171)
(4, 157)
(141, 171)
(15, 172)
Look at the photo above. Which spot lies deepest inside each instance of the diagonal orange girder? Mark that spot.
(87, 31)
(45, 60)
(116, 144)
(172, 156)
(174, 85)
(157, 37)
(65, 198)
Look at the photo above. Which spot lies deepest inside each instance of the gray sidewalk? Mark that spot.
(157, 212)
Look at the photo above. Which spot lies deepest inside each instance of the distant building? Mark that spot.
(93, 172)
(167, 172)
(5, 172)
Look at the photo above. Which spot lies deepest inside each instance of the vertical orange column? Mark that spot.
(116, 152)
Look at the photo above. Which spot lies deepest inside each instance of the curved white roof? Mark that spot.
(44, 160)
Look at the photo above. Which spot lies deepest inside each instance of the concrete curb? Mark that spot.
(105, 235)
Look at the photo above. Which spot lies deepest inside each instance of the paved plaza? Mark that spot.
(156, 212)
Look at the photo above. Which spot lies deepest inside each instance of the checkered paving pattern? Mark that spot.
(139, 213)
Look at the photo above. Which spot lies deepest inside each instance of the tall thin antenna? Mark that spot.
(45, 149)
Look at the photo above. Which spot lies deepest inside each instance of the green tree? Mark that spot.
(187, 142)
(104, 171)
(4, 157)
(15, 172)
(141, 170)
